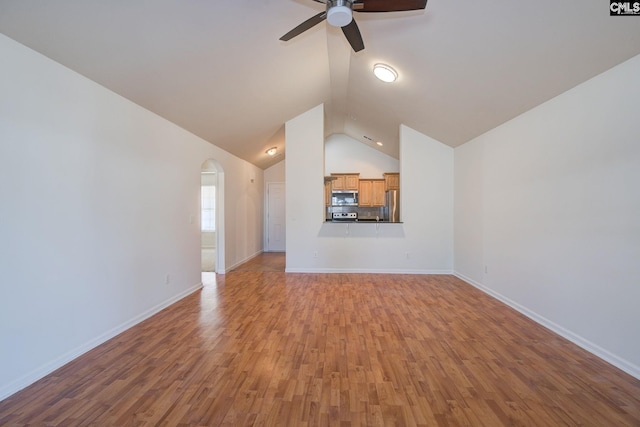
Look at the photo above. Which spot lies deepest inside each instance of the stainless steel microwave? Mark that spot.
(344, 198)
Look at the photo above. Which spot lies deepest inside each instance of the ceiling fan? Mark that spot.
(339, 13)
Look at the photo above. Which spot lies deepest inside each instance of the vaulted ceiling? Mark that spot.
(218, 69)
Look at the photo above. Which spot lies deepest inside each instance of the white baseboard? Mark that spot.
(47, 368)
(596, 350)
(368, 270)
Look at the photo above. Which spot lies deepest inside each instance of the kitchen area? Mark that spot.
(420, 244)
(352, 198)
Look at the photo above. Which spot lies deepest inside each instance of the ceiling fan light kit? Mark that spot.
(339, 12)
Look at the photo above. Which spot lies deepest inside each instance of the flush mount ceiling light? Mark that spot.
(272, 151)
(339, 12)
(379, 144)
(385, 73)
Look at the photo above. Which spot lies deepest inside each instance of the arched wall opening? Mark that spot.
(212, 241)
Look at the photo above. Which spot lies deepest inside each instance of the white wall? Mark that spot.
(305, 186)
(244, 210)
(549, 203)
(422, 244)
(345, 154)
(426, 199)
(99, 201)
(275, 173)
(469, 211)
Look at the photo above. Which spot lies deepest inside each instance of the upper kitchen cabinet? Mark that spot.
(391, 180)
(327, 192)
(372, 192)
(345, 181)
(378, 192)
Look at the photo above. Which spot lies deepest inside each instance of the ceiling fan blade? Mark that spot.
(352, 33)
(309, 23)
(388, 5)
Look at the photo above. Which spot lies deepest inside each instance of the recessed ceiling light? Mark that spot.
(379, 143)
(385, 73)
(272, 151)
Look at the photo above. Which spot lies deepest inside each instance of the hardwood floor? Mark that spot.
(266, 261)
(269, 348)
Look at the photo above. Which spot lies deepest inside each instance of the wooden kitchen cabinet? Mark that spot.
(345, 181)
(365, 194)
(391, 180)
(371, 192)
(352, 181)
(338, 182)
(327, 193)
(378, 187)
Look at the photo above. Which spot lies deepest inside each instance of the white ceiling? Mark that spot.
(217, 68)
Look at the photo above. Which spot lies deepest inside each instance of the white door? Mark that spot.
(275, 217)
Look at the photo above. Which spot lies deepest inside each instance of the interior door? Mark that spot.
(276, 232)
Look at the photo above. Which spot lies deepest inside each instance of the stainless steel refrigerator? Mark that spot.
(392, 206)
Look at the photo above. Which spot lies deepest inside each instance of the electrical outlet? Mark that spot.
(315, 254)
(167, 279)
(407, 255)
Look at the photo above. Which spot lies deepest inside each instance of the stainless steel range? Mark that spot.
(344, 216)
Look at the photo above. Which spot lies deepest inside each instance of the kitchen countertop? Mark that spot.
(367, 221)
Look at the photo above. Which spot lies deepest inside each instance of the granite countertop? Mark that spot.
(365, 220)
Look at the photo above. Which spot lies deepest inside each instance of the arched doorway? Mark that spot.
(212, 217)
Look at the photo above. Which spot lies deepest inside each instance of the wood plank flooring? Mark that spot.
(269, 348)
(266, 261)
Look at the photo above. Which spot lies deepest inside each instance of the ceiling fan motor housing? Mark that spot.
(339, 12)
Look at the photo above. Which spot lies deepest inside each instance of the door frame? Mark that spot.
(267, 215)
(212, 165)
